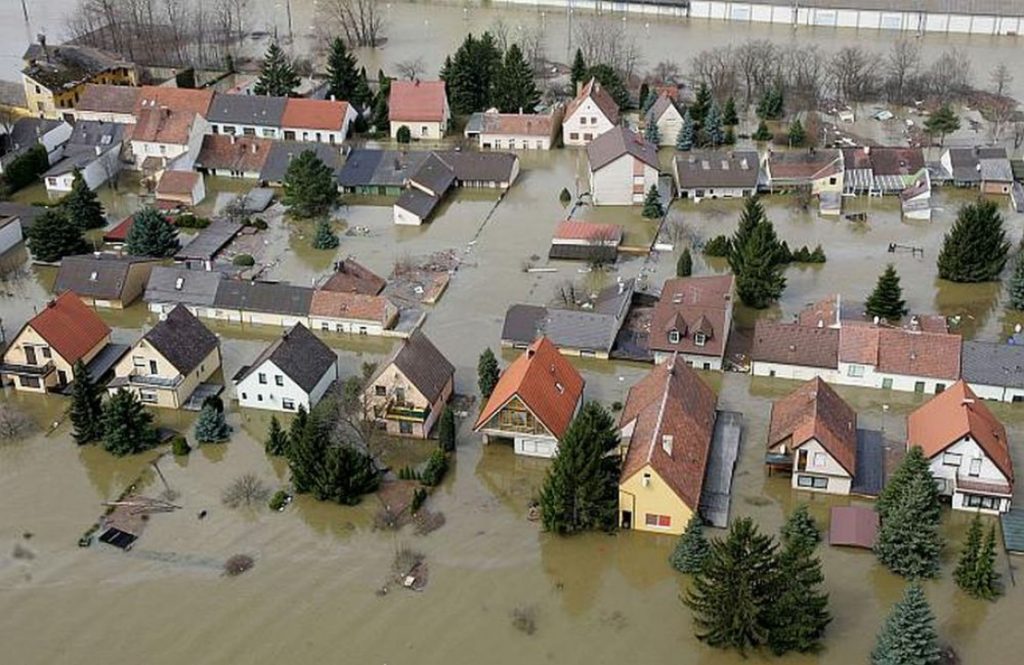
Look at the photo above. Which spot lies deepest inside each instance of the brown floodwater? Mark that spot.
(595, 599)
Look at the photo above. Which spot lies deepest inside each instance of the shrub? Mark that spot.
(717, 246)
(565, 197)
(279, 500)
(243, 261)
(418, 497)
(436, 467)
(190, 221)
(259, 224)
(616, 405)
(179, 446)
(24, 169)
(404, 134)
(238, 564)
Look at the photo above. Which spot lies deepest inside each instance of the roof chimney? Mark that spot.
(254, 147)
(232, 139)
(666, 444)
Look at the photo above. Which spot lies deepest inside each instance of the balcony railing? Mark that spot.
(406, 412)
(27, 370)
(974, 485)
(154, 381)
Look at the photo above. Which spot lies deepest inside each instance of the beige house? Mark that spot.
(105, 279)
(422, 106)
(41, 356)
(54, 77)
(411, 389)
(515, 131)
(590, 115)
(622, 167)
(170, 362)
(665, 114)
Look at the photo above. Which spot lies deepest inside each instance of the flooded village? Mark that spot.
(552, 233)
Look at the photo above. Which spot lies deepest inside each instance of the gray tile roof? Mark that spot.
(581, 329)
(617, 142)
(365, 168)
(247, 110)
(434, 174)
(421, 363)
(86, 137)
(417, 202)
(102, 276)
(993, 364)
(209, 241)
(268, 297)
(283, 152)
(703, 169)
(182, 340)
(299, 354)
(468, 165)
(196, 288)
(523, 323)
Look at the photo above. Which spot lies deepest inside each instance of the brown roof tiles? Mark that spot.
(815, 411)
(417, 101)
(689, 305)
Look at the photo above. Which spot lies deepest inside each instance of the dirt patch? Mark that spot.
(422, 280)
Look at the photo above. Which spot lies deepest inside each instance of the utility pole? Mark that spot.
(568, 18)
(288, 7)
(24, 10)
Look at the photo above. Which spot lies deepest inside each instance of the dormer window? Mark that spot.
(673, 336)
(700, 339)
(666, 444)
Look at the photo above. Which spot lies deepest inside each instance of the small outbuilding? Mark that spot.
(853, 526)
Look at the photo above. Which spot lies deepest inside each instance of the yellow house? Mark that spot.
(170, 362)
(411, 389)
(666, 427)
(54, 77)
(41, 356)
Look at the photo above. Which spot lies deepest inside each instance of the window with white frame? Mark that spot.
(820, 459)
(658, 521)
(287, 404)
(952, 459)
(975, 469)
(812, 482)
(700, 339)
(855, 370)
(673, 336)
(983, 502)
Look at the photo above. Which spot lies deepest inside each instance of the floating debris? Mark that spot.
(238, 564)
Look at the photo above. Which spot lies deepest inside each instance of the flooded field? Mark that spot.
(313, 594)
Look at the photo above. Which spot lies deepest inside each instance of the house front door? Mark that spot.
(627, 519)
(30, 355)
(62, 377)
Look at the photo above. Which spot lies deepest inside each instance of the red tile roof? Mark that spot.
(809, 165)
(544, 381)
(344, 305)
(69, 326)
(352, 277)
(953, 414)
(176, 99)
(98, 98)
(302, 113)
(594, 90)
(690, 305)
(792, 344)
(573, 229)
(671, 401)
(417, 101)
(177, 182)
(935, 355)
(162, 125)
(815, 411)
(241, 153)
(859, 344)
(518, 124)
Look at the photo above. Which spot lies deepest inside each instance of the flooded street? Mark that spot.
(312, 595)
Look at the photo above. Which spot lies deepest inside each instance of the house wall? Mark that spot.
(355, 326)
(239, 129)
(839, 480)
(795, 372)
(46, 103)
(228, 173)
(270, 396)
(15, 354)
(945, 473)
(95, 173)
(616, 184)
(585, 124)
(428, 131)
(871, 378)
(669, 125)
(170, 397)
(331, 137)
(693, 360)
(105, 116)
(404, 217)
(998, 393)
(652, 497)
(54, 141)
(515, 142)
(532, 439)
(700, 193)
(10, 235)
(995, 187)
(392, 379)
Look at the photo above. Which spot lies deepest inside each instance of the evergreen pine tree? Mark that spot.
(1015, 285)
(985, 583)
(82, 206)
(611, 80)
(909, 542)
(713, 127)
(753, 215)
(967, 565)
(975, 249)
(53, 236)
(362, 96)
(151, 235)
(578, 72)
(446, 430)
(86, 407)
(487, 372)
(515, 89)
(942, 122)
(760, 282)
(800, 613)
(647, 99)
(908, 635)
(797, 135)
(348, 475)
(801, 529)
(684, 266)
(307, 453)
(298, 425)
(692, 550)
(404, 134)
(886, 301)
(762, 134)
(211, 426)
(914, 463)
(277, 438)
(684, 140)
(381, 113)
(325, 237)
(277, 76)
(701, 105)
(127, 426)
(580, 491)
(729, 116)
(652, 204)
(730, 136)
(652, 134)
(342, 76)
(309, 187)
(732, 596)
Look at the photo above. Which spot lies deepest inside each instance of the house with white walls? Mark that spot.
(94, 149)
(812, 436)
(994, 370)
(967, 448)
(592, 113)
(247, 115)
(296, 370)
(162, 135)
(792, 351)
(665, 114)
(693, 318)
(422, 106)
(622, 167)
(316, 120)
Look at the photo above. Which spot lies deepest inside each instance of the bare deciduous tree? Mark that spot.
(901, 66)
(757, 67)
(1001, 77)
(13, 423)
(360, 21)
(606, 41)
(666, 71)
(852, 74)
(411, 69)
(716, 68)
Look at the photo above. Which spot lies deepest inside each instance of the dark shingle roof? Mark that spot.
(102, 276)
(791, 344)
(282, 153)
(425, 367)
(197, 287)
(209, 241)
(86, 138)
(718, 169)
(417, 202)
(247, 110)
(299, 354)
(617, 142)
(523, 323)
(993, 364)
(267, 297)
(182, 340)
(434, 174)
(379, 167)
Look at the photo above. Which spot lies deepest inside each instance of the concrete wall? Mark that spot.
(356, 326)
(795, 372)
(260, 131)
(427, 131)
(669, 125)
(692, 359)
(998, 393)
